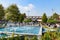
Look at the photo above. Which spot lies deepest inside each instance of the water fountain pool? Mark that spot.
(29, 30)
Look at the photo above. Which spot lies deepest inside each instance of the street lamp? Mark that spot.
(28, 12)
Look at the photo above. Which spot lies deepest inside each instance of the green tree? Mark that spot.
(26, 38)
(18, 37)
(13, 12)
(34, 38)
(51, 36)
(55, 16)
(21, 17)
(8, 16)
(24, 15)
(27, 20)
(2, 13)
(46, 36)
(44, 18)
(51, 21)
(12, 36)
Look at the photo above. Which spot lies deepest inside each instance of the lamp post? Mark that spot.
(28, 12)
(53, 10)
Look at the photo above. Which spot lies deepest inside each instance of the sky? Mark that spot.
(35, 7)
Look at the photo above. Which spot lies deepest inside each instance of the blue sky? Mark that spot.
(35, 7)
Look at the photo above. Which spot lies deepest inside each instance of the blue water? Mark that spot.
(23, 29)
(3, 35)
(43, 30)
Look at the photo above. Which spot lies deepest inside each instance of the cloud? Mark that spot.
(6, 3)
(23, 9)
(27, 8)
(31, 6)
